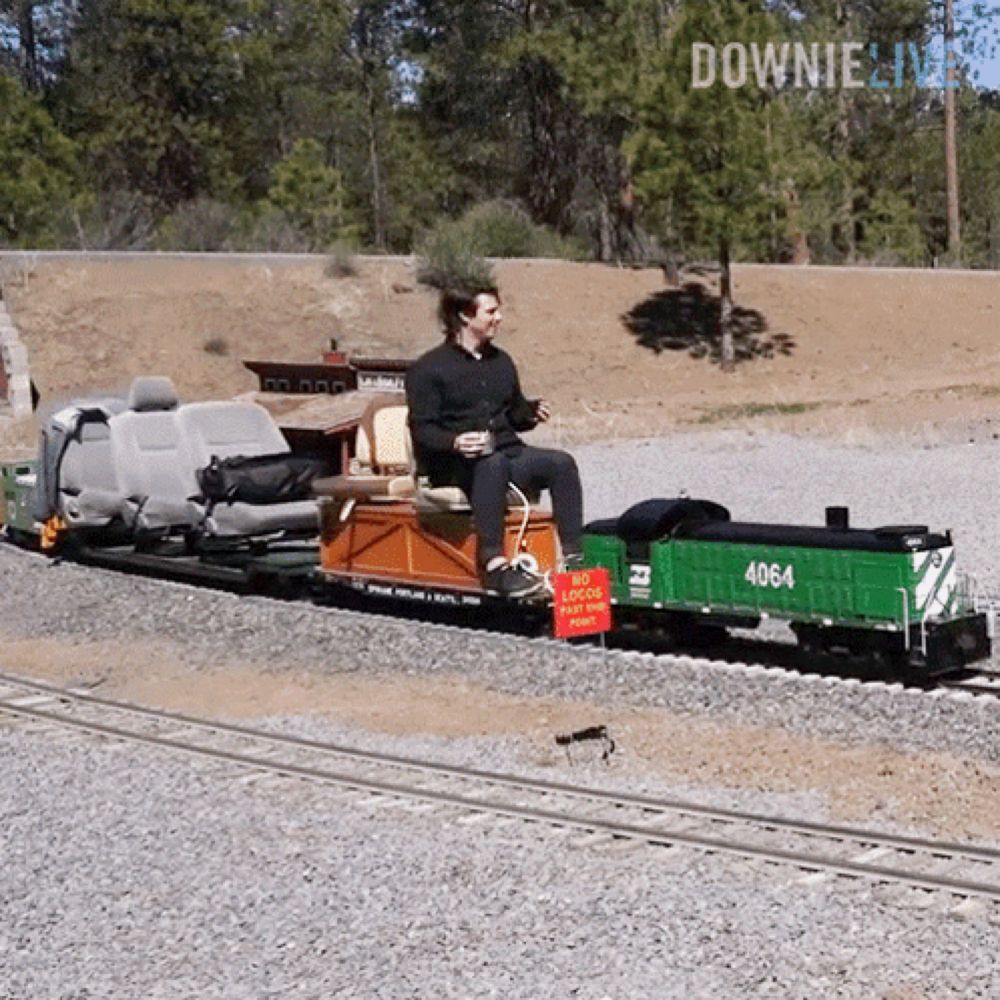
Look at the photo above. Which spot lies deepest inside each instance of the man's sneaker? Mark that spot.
(512, 583)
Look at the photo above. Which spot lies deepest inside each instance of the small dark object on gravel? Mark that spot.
(590, 733)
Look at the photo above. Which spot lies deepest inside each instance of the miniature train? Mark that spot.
(126, 483)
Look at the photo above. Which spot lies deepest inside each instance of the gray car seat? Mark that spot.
(228, 429)
(153, 468)
(89, 493)
(141, 465)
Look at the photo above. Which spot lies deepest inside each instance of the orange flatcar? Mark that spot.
(383, 526)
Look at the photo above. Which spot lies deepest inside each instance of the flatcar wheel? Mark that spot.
(22, 539)
(810, 639)
(279, 586)
(901, 666)
(530, 622)
(677, 630)
(691, 632)
(703, 636)
(192, 542)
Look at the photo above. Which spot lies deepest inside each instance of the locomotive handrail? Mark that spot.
(989, 606)
(906, 616)
(981, 603)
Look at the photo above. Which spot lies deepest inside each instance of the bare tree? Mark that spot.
(727, 345)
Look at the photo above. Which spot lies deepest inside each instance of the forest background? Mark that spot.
(564, 128)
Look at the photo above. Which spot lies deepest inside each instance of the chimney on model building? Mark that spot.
(334, 356)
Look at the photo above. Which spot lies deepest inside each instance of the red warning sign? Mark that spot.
(581, 604)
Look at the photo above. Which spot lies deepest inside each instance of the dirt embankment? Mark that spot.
(617, 351)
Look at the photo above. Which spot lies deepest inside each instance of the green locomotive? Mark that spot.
(17, 481)
(682, 566)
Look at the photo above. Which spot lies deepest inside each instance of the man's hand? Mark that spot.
(470, 444)
(542, 410)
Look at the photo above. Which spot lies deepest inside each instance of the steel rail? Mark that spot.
(622, 800)
(969, 687)
(590, 823)
(975, 681)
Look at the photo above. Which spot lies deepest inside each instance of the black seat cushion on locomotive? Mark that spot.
(913, 538)
(651, 520)
(606, 526)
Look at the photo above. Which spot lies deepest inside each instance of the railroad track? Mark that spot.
(968, 874)
(985, 682)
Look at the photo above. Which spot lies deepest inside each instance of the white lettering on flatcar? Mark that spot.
(772, 575)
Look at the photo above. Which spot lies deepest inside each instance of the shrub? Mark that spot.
(268, 230)
(218, 346)
(115, 220)
(453, 251)
(502, 229)
(340, 263)
(446, 259)
(201, 224)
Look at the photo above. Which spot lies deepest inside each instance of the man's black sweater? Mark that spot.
(450, 391)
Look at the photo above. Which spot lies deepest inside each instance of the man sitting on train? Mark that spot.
(466, 407)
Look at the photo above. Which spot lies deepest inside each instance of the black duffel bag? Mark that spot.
(260, 479)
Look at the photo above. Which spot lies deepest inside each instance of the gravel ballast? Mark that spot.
(160, 878)
(130, 873)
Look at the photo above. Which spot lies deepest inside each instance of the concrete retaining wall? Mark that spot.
(15, 377)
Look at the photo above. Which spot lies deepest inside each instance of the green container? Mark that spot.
(18, 479)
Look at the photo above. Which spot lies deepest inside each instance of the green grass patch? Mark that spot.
(977, 390)
(744, 411)
(966, 390)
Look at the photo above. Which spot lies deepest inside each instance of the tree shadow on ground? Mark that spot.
(687, 319)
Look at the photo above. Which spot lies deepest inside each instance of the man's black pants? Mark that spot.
(532, 470)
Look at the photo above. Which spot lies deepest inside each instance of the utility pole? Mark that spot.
(950, 135)
(844, 225)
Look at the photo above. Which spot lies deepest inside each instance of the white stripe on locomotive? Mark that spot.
(936, 588)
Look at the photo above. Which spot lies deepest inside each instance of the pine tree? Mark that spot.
(709, 161)
(38, 167)
(146, 92)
